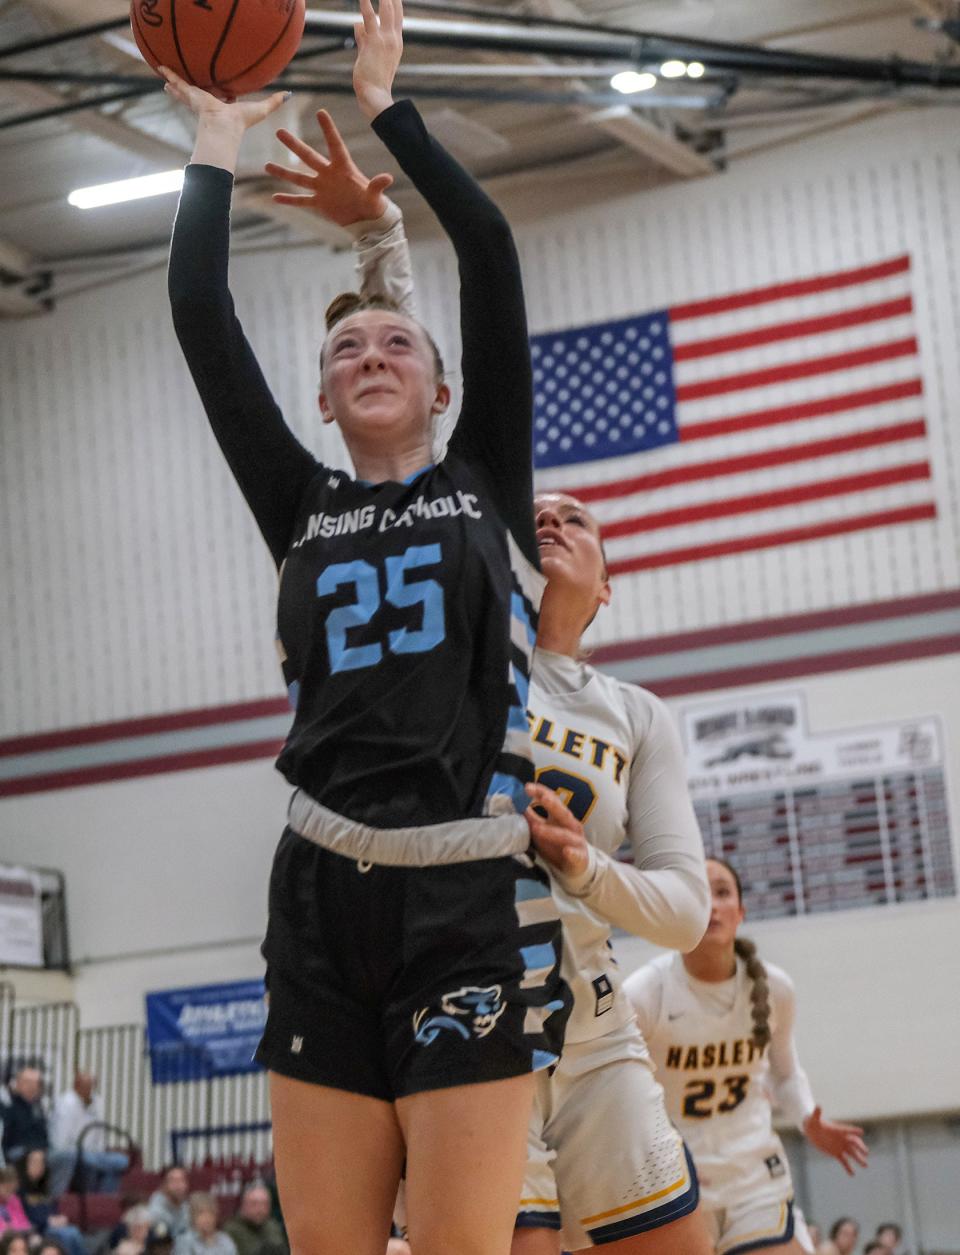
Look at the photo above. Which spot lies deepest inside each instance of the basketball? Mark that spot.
(238, 46)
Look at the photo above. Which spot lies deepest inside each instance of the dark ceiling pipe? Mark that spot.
(339, 87)
(64, 37)
(560, 38)
(74, 106)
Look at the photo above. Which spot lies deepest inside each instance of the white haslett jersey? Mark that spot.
(610, 750)
(720, 1087)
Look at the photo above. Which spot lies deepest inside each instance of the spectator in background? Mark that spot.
(168, 1205)
(203, 1236)
(844, 1234)
(50, 1246)
(888, 1235)
(25, 1128)
(40, 1206)
(876, 1247)
(13, 1219)
(73, 1113)
(24, 1124)
(160, 1241)
(127, 1246)
(14, 1244)
(253, 1230)
(134, 1227)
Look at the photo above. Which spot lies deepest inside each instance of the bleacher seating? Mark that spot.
(225, 1178)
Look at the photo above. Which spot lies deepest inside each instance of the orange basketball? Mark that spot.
(238, 46)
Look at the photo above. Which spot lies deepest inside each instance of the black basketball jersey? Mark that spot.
(407, 611)
(395, 615)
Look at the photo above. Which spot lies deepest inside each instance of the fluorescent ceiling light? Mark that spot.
(695, 69)
(628, 81)
(673, 69)
(127, 189)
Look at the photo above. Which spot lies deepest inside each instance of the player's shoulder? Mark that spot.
(645, 711)
(780, 982)
(654, 974)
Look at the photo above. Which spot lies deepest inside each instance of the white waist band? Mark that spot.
(460, 841)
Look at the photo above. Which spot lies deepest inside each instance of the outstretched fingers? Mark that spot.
(369, 22)
(295, 177)
(335, 145)
(308, 155)
(299, 200)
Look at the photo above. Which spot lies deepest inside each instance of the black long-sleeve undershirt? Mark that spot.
(270, 465)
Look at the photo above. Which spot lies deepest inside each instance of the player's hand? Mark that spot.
(336, 188)
(217, 108)
(558, 836)
(379, 49)
(843, 1142)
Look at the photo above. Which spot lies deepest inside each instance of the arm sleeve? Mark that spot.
(664, 896)
(269, 464)
(383, 258)
(644, 990)
(494, 431)
(792, 1095)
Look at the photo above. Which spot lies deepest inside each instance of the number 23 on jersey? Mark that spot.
(701, 1100)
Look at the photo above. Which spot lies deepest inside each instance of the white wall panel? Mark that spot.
(134, 580)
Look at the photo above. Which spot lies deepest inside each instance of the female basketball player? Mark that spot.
(719, 1024)
(604, 1163)
(411, 995)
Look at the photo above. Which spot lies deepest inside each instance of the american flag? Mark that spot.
(777, 416)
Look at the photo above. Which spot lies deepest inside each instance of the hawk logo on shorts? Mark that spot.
(471, 1012)
(775, 1166)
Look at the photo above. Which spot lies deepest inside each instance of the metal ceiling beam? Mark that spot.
(22, 288)
(620, 121)
(652, 141)
(131, 86)
(168, 156)
(561, 38)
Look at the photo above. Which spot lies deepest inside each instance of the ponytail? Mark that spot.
(760, 993)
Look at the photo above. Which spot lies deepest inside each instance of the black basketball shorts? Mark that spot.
(388, 981)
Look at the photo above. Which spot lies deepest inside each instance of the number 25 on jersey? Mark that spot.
(370, 591)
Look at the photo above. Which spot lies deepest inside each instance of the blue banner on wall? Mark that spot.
(204, 1031)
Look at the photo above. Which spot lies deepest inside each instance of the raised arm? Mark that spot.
(494, 432)
(269, 464)
(335, 188)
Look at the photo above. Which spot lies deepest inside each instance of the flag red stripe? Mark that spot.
(793, 495)
(791, 330)
(771, 540)
(799, 287)
(838, 404)
(753, 461)
(798, 370)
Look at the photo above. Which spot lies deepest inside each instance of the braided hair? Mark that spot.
(760, 991)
